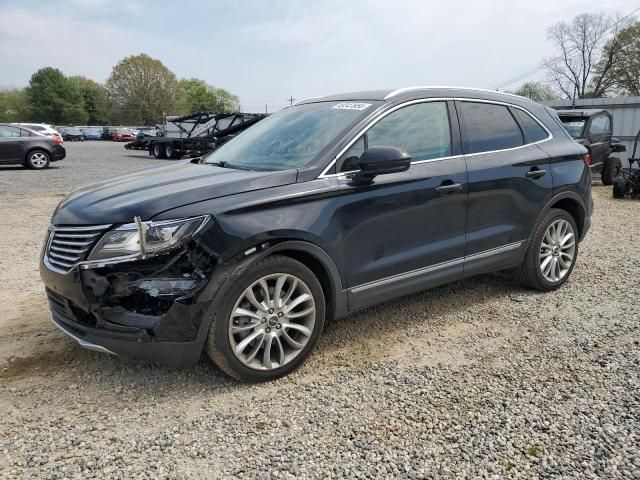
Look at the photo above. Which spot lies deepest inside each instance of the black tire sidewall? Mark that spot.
(608, 177)
(533, 252)
(32, 166)
(218, 344)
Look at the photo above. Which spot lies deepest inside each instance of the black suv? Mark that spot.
(592, 128)
(321, 209)
(23, 146)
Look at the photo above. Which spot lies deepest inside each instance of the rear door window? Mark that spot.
(489, 127)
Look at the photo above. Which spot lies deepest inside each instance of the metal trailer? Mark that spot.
(197, 133)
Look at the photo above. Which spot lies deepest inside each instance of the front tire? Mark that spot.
(266, 323)
(611, 171)
(552, 252)
(38, 160)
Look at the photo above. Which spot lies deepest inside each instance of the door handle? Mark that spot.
(448, 188)
(535, 173)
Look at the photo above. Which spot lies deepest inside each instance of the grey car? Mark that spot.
(22, 146)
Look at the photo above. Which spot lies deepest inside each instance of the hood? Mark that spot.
(150, 191)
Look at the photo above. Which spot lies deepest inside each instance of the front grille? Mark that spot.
(69, 245)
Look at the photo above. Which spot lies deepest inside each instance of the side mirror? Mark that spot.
(616, 146)
(380, 161)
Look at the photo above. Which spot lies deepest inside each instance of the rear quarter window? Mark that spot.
(531, 129)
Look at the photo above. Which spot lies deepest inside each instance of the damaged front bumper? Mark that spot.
(148, 309)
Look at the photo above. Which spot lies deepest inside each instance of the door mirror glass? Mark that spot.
(380, 161)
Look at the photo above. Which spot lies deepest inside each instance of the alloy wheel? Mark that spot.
(272, 321)
(557, 250)
(38, 160)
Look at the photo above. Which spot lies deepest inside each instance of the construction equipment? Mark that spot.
(628, 184)
(195, 134)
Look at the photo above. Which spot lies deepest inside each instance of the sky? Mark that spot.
(266, 51)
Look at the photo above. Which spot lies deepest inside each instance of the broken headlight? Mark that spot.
(143, 238)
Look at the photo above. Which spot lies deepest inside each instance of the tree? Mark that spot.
(623, 54)
(200, 96)
(142, 89)
(580, 43)
(95, 99)
(53, 98)
(14, 106)
(536, 91)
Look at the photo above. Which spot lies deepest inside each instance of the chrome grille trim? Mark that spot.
(67, 246)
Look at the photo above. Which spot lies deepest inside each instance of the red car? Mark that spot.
(122, 135)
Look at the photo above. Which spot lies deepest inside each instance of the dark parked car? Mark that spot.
(72, 134)
(592, 128)
(92, 133)
(29, 148)
(107, 133)
(319, 210)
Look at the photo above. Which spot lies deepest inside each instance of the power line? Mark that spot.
(559, 57)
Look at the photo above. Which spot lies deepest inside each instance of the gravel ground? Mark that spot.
(478, 379)
(86, 162)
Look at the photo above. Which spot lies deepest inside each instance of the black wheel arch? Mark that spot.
(311, 255)
(34, 149)
(570, 202)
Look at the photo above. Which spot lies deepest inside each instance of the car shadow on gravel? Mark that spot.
(427, 312)
(22, 168)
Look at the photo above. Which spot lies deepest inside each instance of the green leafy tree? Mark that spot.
(53, 98)
(141, 89)
(14, 106)
(198, 96)
(621, 59)
(95, 99)
(536, 91)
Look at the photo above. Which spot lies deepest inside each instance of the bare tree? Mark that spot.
(580, 44)
(536, 91)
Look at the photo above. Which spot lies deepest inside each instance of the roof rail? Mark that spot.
(305, 99)
(431, 87)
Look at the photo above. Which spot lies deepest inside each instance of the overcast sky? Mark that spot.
(266, 50)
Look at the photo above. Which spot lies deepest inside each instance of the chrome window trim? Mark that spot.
(438, 266)
(376, 119)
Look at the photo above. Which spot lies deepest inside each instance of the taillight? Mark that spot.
(57, 140)
(587, 159)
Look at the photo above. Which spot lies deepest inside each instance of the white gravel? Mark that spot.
(479, 379)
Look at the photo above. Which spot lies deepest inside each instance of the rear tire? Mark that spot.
(552, 252)
(611, 171)
(38, 160)
(169, 152)
(300, 305)
(620, 188)
(158, 151)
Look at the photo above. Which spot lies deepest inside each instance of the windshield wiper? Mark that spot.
(224, 164)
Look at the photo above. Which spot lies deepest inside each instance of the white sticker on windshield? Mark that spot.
(351, 106)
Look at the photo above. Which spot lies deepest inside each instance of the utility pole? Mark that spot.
(265, 109)
(291, 100)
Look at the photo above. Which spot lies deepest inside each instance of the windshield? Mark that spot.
(291, 138)
(574, 125)
(73, 131)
